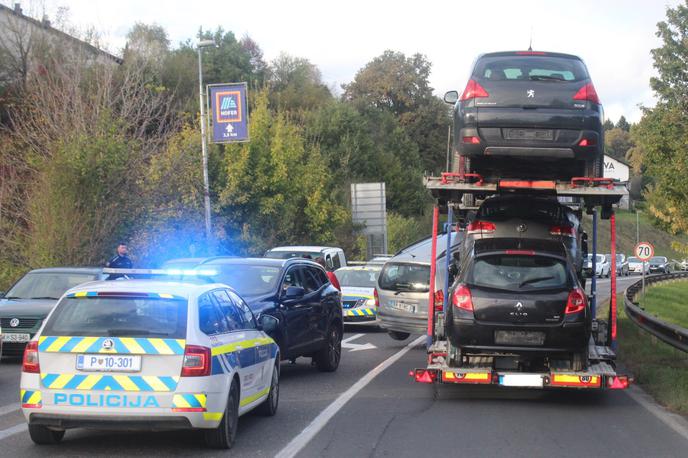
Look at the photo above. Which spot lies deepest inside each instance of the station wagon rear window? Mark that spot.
(118, 317)
(529, 68)
(405, 277)
(518, 273)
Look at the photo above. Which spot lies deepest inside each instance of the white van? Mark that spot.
(334, 257)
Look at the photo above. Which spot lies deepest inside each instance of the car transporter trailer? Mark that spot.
(593, 193)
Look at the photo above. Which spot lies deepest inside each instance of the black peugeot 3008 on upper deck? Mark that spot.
(519, 298)
(298, 293)
(529, 114)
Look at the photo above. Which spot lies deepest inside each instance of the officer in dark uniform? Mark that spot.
(121, 260)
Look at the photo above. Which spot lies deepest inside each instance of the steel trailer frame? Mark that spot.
(448, 191)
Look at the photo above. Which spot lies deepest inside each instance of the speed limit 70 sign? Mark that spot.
(644, 251)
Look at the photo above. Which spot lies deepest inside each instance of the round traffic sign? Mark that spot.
(644, 251)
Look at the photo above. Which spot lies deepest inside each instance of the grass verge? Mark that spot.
(668, 301)
(658, 368)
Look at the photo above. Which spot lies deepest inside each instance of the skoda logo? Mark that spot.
(108, 344)
(519, 306)
(521, 228)
(14, 322)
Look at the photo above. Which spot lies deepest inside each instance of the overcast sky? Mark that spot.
(613, 37)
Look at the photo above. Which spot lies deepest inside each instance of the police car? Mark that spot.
(152, 355)
(359, 295)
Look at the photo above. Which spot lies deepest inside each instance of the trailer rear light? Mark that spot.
(588, 93)
(481, 227)
(565, 231)
(527, 184)
(439, 301)
(587, 142)
(618, 382)
(376, 297)
(424, 375)
(196, 361)
(576, 302)
(461, 298)
(472, 140)
(473, 91)
(30, 362)
(520, 252)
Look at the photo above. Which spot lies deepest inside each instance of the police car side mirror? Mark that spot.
(295, 292)
(268, 323)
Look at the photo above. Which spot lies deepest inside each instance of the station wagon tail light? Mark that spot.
(461, 298)
(30, 363)
(376, 297)
(484, 227)
(565, 231)
(588, 93)
(473, 91)
(576, 302)
(439, 301)
(196, 361)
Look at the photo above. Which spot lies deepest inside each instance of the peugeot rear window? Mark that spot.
(518, 272)
(118, 317)
(502, 210)
(405, 277)
(530, 68)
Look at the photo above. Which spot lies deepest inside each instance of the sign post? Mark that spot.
(644, 251)
(229, 112)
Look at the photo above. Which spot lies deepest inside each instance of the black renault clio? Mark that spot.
(519, 298)
(529, 114)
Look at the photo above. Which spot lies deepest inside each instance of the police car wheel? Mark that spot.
(269, 407)
(224, 435)
(327, 359)
(41, 435)
(396, 335)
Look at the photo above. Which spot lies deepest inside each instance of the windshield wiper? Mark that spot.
(44, 297)
(534, 280)
(545, 78)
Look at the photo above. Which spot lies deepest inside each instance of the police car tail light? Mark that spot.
(377, 298)
(30, 362)
(196, 361)
(576, 302)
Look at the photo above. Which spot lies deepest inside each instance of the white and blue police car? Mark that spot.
(151, 355)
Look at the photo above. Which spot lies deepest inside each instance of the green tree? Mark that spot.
(278, 189)
(623, 124)
(671, 83)
(296, 84)
(608, 125)
(400, 85)
(618, 142)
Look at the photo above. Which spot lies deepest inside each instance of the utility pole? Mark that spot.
(204, 142)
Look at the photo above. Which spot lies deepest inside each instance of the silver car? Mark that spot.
(404, 284)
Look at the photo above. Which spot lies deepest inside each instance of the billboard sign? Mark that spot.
(369, 209)
(228, 112)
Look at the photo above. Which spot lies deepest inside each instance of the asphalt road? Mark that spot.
(393, 416)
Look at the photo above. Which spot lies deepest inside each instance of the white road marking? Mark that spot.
(346, 343)
(16, 429)
(319, 422)
(9, 408)
(672, 420)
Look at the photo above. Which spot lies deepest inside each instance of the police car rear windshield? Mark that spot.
(358, 278)
(118, 317)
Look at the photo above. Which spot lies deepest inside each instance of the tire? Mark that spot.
(224, 436)
(396, 335)
(269, 407)
(327, 359)
(41, 435)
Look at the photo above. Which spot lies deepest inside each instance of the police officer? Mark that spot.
(121, 260)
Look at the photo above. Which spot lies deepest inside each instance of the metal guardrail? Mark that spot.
(672, 334)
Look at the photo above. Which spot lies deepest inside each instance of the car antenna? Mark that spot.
(530, 44)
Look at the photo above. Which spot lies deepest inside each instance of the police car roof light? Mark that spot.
(162, 272)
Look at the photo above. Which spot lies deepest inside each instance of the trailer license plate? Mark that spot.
(522, 380)
(108, 363)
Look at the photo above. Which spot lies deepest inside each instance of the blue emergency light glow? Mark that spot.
(191, 273)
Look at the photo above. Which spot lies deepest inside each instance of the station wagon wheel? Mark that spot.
(42, 435)
(327, 359)
(224, 435)
(269, 407)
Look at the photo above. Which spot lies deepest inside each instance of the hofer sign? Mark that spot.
(228, 112)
